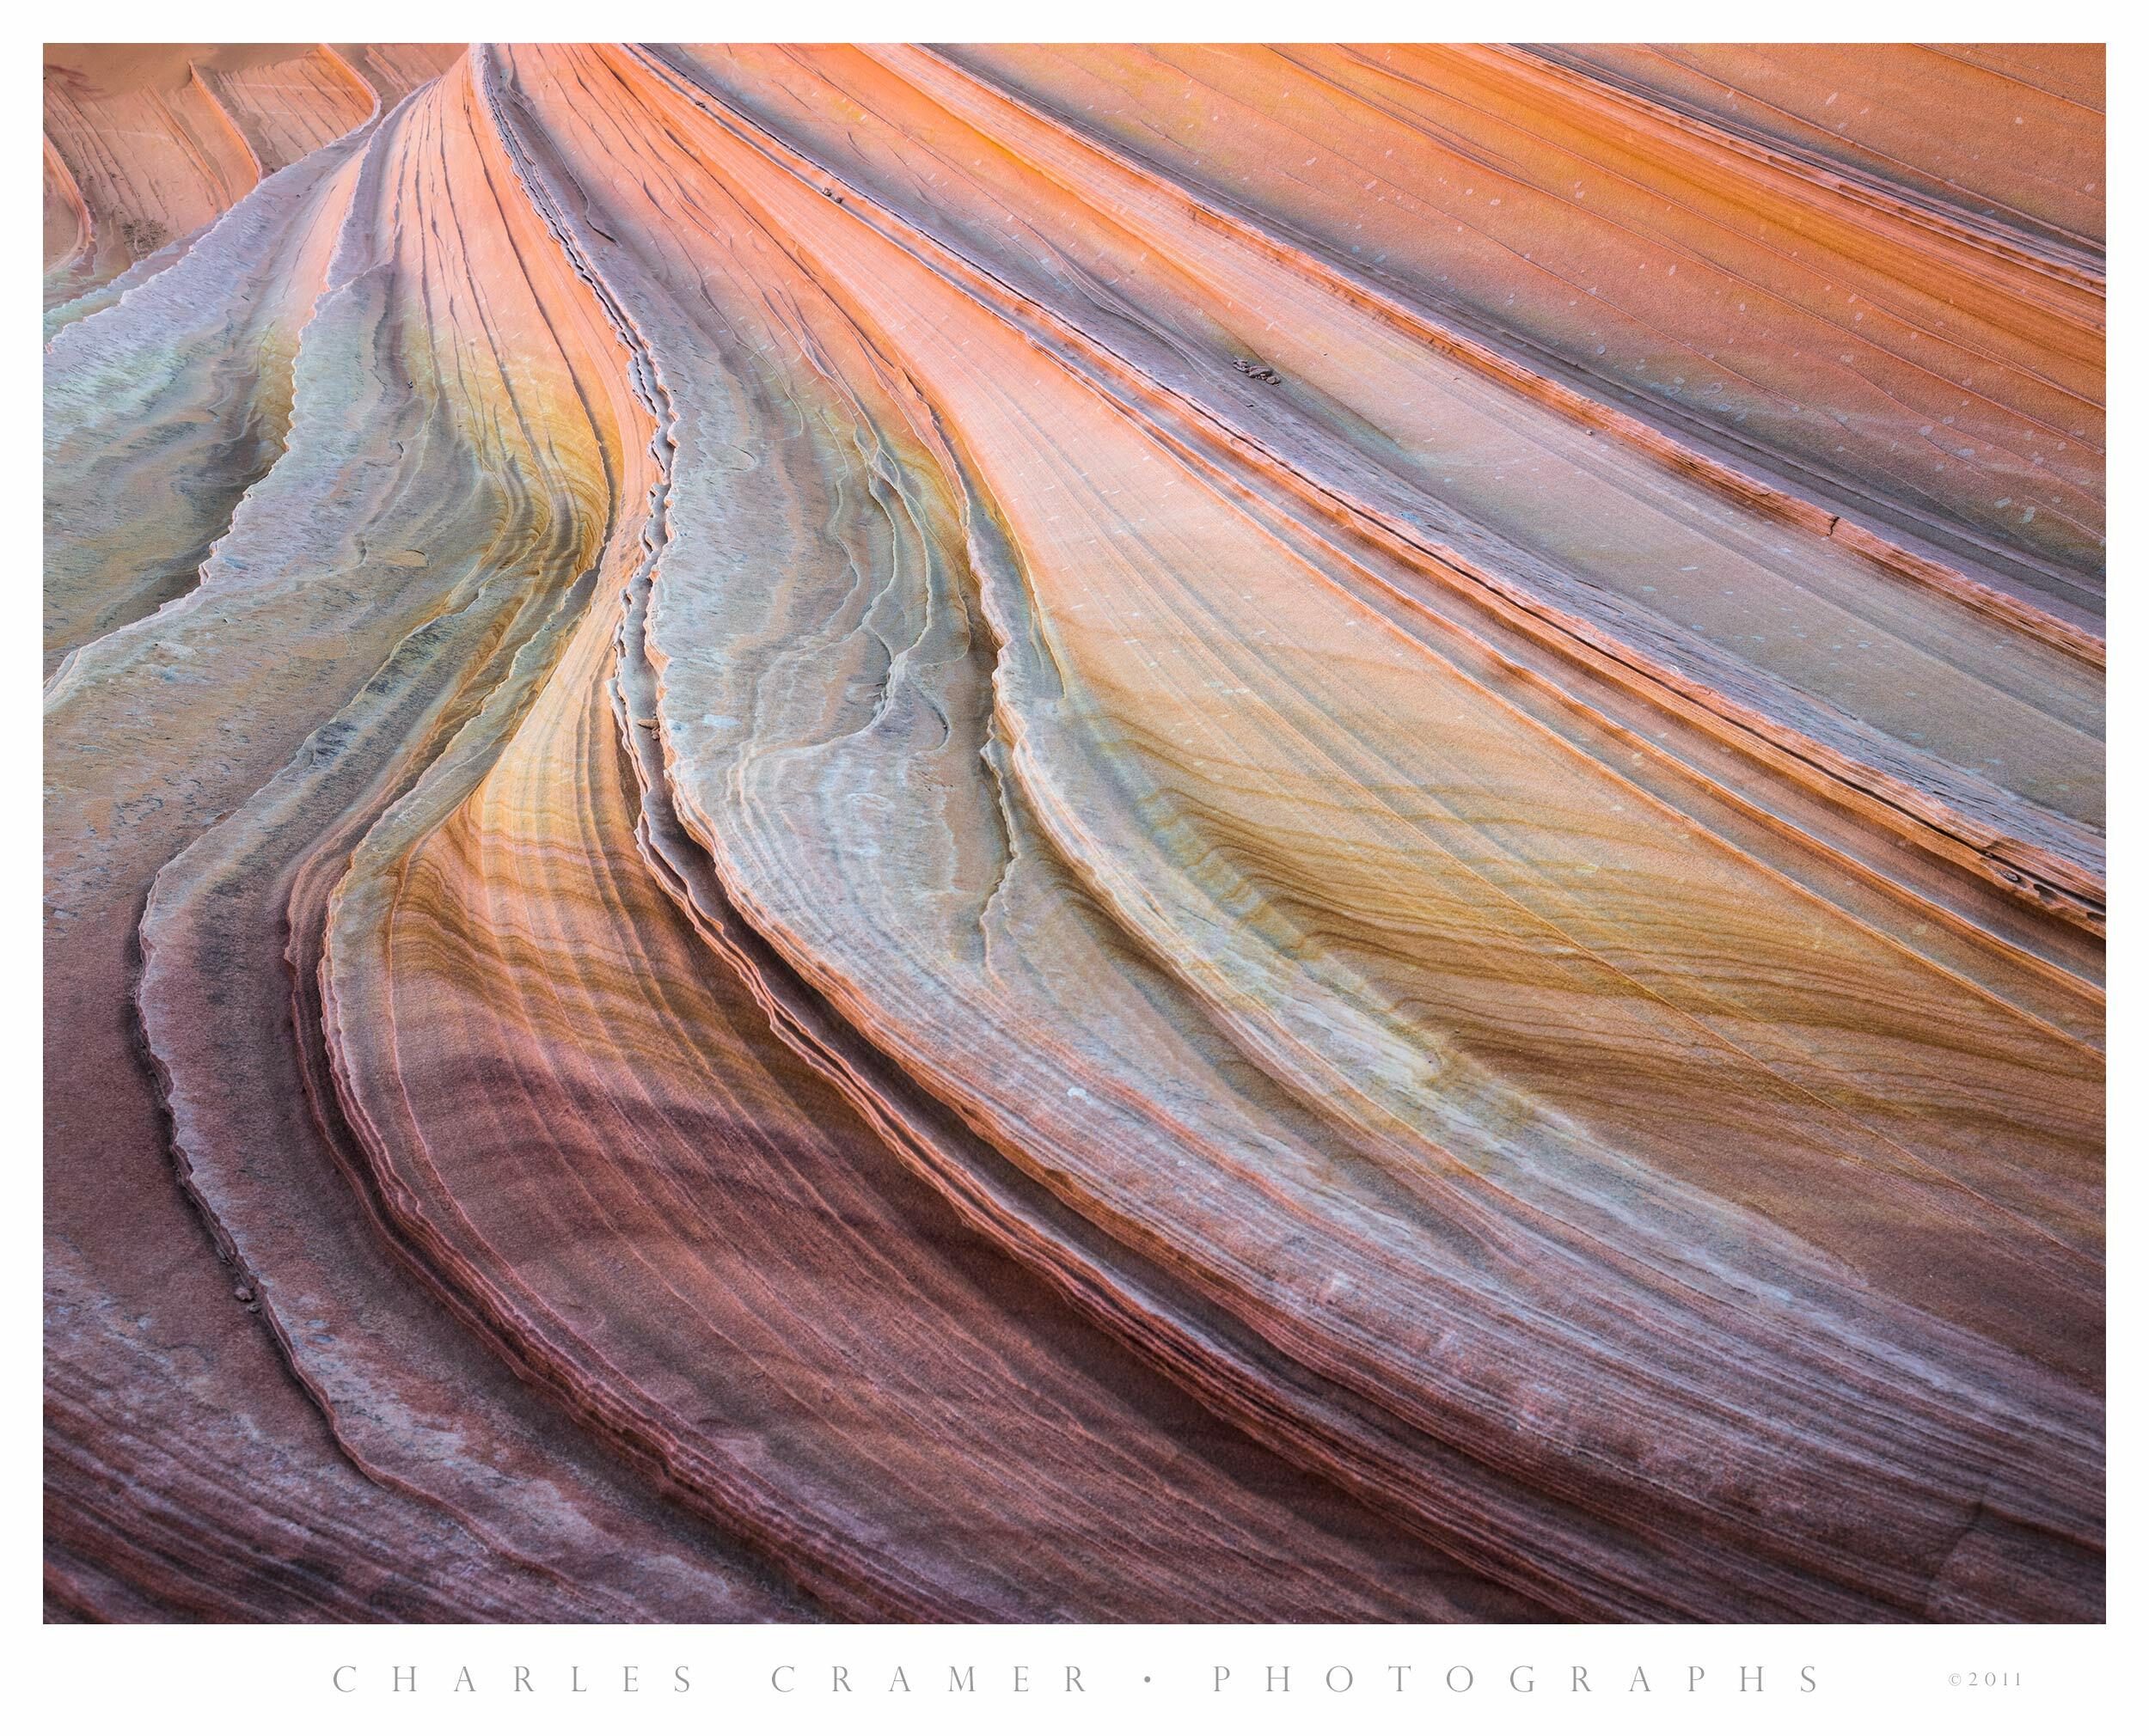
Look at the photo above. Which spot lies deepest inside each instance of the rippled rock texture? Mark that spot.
(1116, 834)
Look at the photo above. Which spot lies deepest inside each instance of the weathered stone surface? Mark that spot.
(1126, 835)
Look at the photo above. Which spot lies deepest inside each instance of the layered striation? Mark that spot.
(1002, 834)
(146, 145)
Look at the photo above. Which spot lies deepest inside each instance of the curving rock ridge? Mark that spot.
(147, 144)
(895, 833)
(1690, 233)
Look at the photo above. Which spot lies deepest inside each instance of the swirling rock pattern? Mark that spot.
(1015, 834)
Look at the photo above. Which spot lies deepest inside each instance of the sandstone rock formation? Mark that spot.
(1082, 833)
